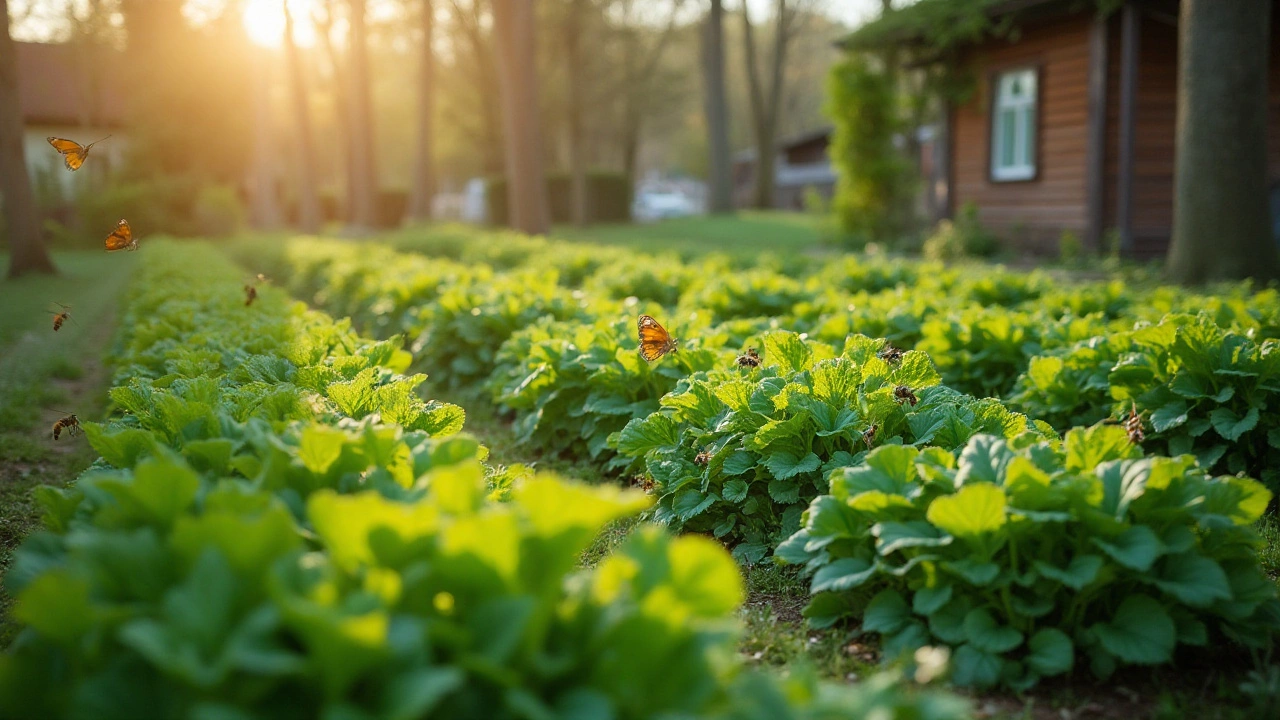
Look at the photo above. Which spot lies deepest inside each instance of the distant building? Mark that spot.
(74, 91)
(1071, 126)
(802, 163)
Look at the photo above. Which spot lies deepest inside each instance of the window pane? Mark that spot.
(1006, 135)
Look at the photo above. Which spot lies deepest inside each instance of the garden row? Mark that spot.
(280, 527)
(934, 515)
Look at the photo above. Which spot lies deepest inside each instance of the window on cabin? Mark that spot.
(1013, 126)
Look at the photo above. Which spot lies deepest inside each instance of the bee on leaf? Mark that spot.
(902, 394)
(890, 354)
(1133, 425)
(869, 436)
(69, 422)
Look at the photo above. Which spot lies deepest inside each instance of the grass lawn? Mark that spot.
(42, 375)
(746, 232)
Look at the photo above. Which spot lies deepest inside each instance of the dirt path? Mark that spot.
(31, 457)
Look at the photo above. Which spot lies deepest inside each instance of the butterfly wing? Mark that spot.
(121, 238)
(655, 341)
(73, 154)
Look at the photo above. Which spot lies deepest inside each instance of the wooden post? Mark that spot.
(1129, 36)
(1096, 160)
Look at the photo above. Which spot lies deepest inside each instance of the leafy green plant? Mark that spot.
(264, 538)
(1031, 558)
(572, 385)
(740, 452)
(962, 238)
(462, 331)
(1200, 389)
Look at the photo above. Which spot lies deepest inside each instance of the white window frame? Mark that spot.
(1025, 125)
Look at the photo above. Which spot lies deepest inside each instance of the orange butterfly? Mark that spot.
(73, 153)
(655, 341)
(122, 238)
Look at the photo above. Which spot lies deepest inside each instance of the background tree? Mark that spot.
(513, 27)
(323, 18)
(364, 175)
(264, 193)
(766, 100)
(1221, 222)
(576, 108)
(27, 253)
(418, 208)
(715, 108)
(302, 142)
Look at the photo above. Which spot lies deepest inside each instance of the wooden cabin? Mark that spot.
(1070, 125)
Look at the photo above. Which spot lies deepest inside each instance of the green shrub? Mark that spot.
(462, 330)
(1199, 388)
(740, 452)
(608, 198)
(875, 184)
(274, 531)
(572, 385)
(962, 238)
(1032, 559)
(218, 211)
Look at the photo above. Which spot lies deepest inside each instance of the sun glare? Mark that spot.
(264, 22)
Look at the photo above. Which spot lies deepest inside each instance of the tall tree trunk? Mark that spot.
(342, 151)
(264, 204)
(630, 144)
(1221, 224)
(719, 179)
(27, 253)
(304, 145)
(424, 175)
(576, 110)
(364, 176)
(765, 104)
(513, 24)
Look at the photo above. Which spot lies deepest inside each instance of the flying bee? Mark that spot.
(644, 482)
(891, 354)
(703, 457)
(1133, 425)
(749, 359)
(70, 423)
(251, 288)
(902, 394)
(869, 436)
(60, 317)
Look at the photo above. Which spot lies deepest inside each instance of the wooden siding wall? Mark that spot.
(1031, 214)
(1153, 156)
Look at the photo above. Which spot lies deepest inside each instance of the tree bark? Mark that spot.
(264, 204)
(424, 176)
(308, 203)
(513, 25)
(765, 104)
(1221, 222)
(364, 176)
(27, 253)
(719, 180)
(342, 151)
(576, 60)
